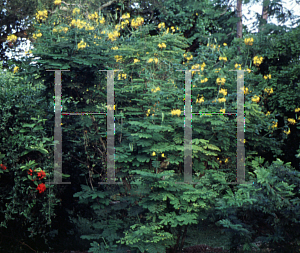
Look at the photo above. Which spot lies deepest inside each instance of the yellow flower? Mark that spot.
(57, 2)
(103, 32)
(237, 66)
(137, 22)
(12, 38)
(201, 100)
(292, 121)
(297, 110)
(136, 60)
(176, 112)
(223, 91)
(162, 155)
(156, 60)
(42, 15)
(287, 132)
(221, 80)
(249, 70)
(114, 48)
(249, 41)
(102, 21)
(16, 68)
(222, 58)
(153, 154)
(268, 113)
(118, 58)
(257, 60)
(256, 99)
(268, 90)
(224, 44)
(82, 44)
(265, 77)
(162, 45)
(246, 91)
(275, 125)
(222, 110)
(150, 60)
(221, 100)
(125, 16)
(161, 25)
(76, 10)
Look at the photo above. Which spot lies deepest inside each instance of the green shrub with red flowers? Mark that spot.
(26, 158)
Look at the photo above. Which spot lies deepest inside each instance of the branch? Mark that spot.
(107, 4)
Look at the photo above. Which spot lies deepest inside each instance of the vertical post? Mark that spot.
(187, 129)
(240, 130)
(110, 130)
(57, 131)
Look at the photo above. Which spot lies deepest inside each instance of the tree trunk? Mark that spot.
(239, 23)
(264, 15)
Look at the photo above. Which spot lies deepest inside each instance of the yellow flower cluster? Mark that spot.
(275, 124)
(223, 58)
(161, 25)
(123, 76)
(35, 36)
(102, 20)
(12, 38)
(222, 110)
(16, 68)
(249, 41)
(246, 91)
(201, 100)
(268, 90)
(221, 80)
(221, 100)
(57, 2)
(42, 15)
(114, 48)
(249, 70)
(112, 36)
(153, 154)
(60, 29)
(223, 91)
(125, 16)
(257, 60)
(292, 121)
(138, 22)
(297, 110)
(78, 23)
(103, 32)
(204, 80)
(267, 76)
(155, 90)
(162, 45)
(173, 28)
(82, 44)
(118, 58)
(238, 66)
(217, 70)
(76, 10)
(256, 99)
(153, 59)
(224, 44)
(287, 132)
(93, 16)
(136, 60)
(176, 112)
(188, 57)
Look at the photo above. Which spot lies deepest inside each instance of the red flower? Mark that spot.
(41, 175)
(30, 172)
(41, 188)
(3, 167)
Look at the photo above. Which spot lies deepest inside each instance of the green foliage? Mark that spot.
(149, 212)
(24, 147)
